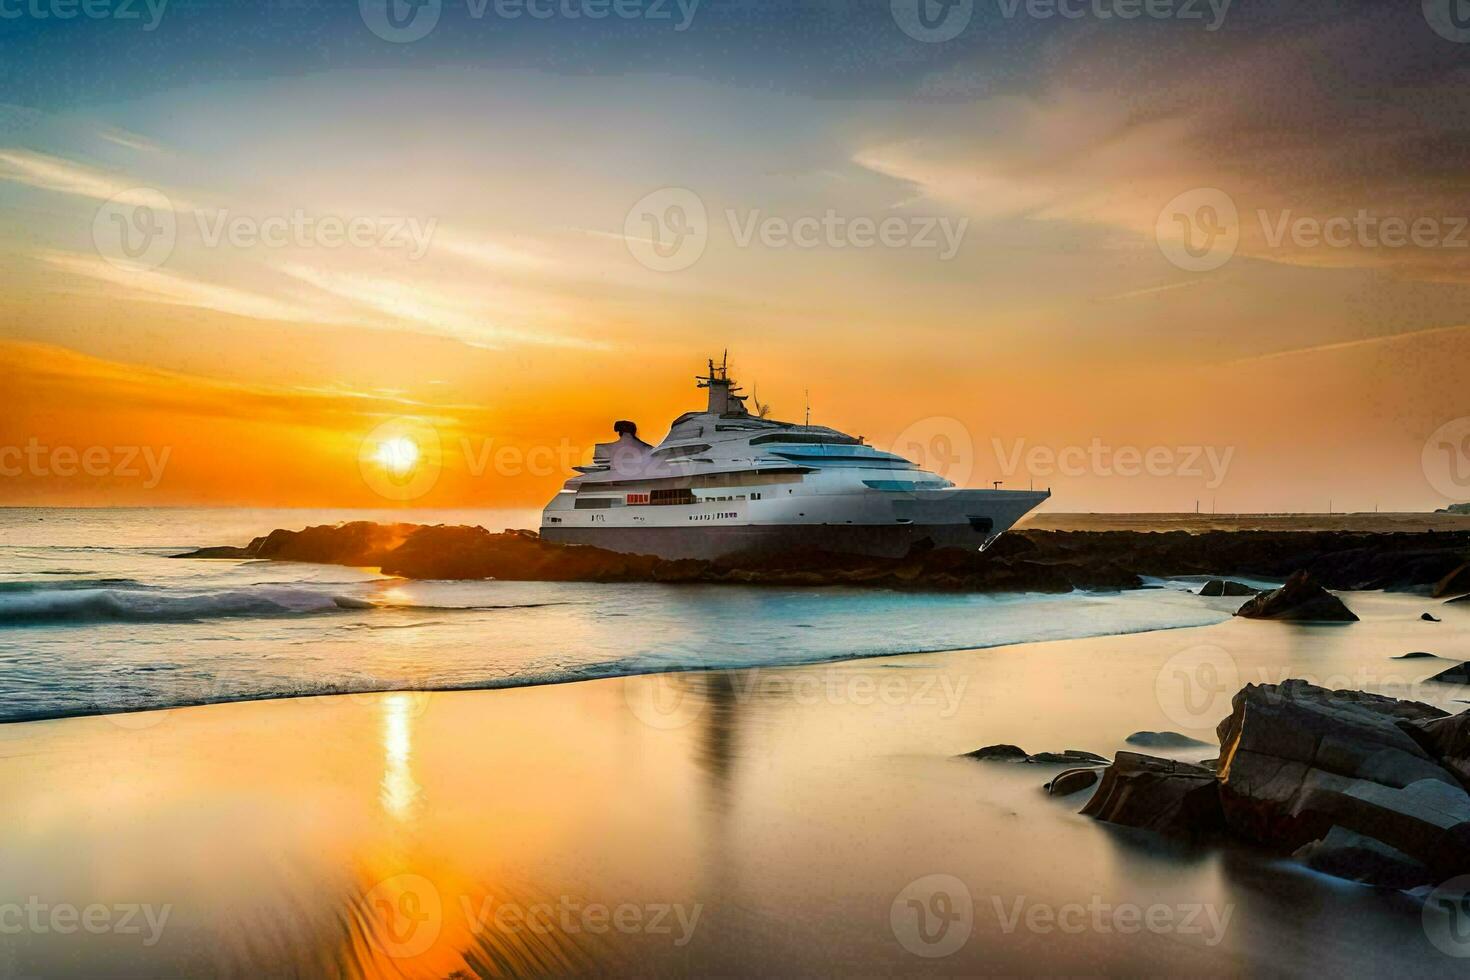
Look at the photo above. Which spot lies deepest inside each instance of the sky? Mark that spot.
(1152, 254)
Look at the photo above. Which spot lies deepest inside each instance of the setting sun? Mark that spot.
(398, 455)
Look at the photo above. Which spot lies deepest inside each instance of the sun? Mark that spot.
(398, 455)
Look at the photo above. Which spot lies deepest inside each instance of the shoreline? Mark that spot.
(815, 796)
(571, 678)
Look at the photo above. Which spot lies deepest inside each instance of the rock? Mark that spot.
(1301, 599)
(1298, 760)
(999, 753)
(1071, 781)
(1457, 582)
(1218, 587)
(1163, 740)
(219, 551)
(1162, 795)
(1068, 757)
(1458, 674)
(1428, 618)
(1463, 598)
(1414, 655)
(1345, 854)
(1447, 740)
(1014, 753)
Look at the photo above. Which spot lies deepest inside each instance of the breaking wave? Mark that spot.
(83, 604)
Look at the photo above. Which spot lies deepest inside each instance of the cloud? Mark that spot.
(442, 311)
(1116, 133)
(62, 176)
(158, 285)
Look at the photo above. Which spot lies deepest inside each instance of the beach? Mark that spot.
(768, 820)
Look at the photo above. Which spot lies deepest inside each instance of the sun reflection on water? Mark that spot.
(400, 791)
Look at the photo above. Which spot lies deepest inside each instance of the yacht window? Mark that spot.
(807, 439)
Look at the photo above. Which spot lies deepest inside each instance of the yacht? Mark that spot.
(725, 482)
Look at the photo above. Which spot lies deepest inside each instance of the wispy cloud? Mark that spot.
(67, 177)
(424, 305)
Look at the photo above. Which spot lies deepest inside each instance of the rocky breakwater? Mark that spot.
(1356, 785)
(1019, 561)
(459, 552)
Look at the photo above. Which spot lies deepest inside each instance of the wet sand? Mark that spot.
(774, 821)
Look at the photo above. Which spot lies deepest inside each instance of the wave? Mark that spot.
(87, 601)
(91, 605)
(62, 584)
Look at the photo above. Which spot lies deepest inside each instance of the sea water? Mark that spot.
(96, 617)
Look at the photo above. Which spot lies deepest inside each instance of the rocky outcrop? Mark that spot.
(1019, 561)
(1173, 798)
(1014, 753)
(1458, 674)
(1357, 785)
(1163, 740)
(1301, 599)
(1298, 760)
(1344, 560)
(1071, 781)
(999, 753)
(1447, 740)
(1455, 583)
(1345, 854)
(1219, 587)
(1415, 655)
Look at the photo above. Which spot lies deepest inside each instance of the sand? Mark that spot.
(752, 822)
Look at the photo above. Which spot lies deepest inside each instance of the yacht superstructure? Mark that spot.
(724, 481)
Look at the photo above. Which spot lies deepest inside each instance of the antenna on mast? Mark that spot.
(807, 392)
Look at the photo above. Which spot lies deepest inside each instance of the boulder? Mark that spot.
(1169, 797)
(1428, 618)
(1345, 854)
(1298, 760)
(1068, 757)
(1414, 655)
(1218, 587)
(1458, 674)
(999, 753)
(1163, 740)
(1457, 582)
(1301, 599)
(1447, 740)
(1014, 753)
(217, 551)
(1071, 781)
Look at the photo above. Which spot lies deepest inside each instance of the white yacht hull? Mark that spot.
(871, 523)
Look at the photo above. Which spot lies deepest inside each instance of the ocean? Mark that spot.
(97, 618)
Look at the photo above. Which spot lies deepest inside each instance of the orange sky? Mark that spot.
(522, 322)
